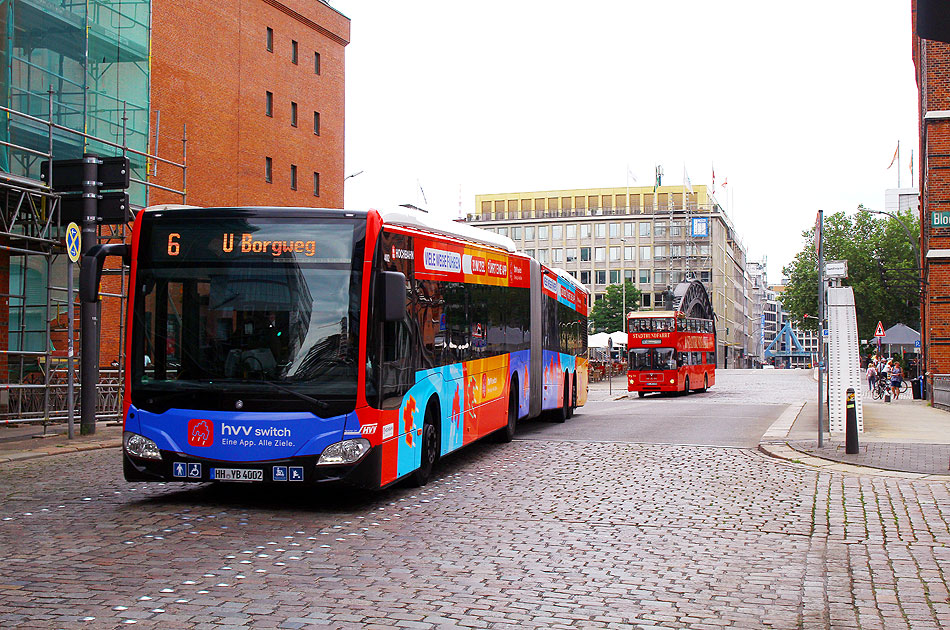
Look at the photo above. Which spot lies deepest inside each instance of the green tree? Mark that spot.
(607, 314)
(882, 270)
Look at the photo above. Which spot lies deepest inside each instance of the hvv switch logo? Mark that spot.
(200, 432)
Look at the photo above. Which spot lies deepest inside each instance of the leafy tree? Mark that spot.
(882, 270)
(607, 314)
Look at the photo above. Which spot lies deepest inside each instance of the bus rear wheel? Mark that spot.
(570, 397)
(705, 383)
(507, 432)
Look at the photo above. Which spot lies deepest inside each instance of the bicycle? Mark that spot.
(881, 388)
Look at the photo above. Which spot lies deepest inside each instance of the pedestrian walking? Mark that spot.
(872, 377)
(897, 377)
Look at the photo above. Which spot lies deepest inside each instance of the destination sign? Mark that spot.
(226, 239)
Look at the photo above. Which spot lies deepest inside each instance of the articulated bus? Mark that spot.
(284, 345)
(669, 352)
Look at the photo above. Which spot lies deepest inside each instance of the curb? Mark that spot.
(774, 445)
(785, 452)
(16, 456)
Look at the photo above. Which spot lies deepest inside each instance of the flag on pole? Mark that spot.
(725, 182)
(688, 184)
(817, 234)
(911, 163)
(896, 151)
(631, 176)
(714, 179)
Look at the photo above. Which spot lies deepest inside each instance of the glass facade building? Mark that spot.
(93, 56)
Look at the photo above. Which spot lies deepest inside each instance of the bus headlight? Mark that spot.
(140, 446)
(672, 381)
(345, 452)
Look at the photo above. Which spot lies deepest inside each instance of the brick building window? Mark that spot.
(269, 104)
(268, 170)
(316, 63)
(316, 184)
(293, 177)
(270, 39)
(316, 123)
(293, 51)
(293, 114)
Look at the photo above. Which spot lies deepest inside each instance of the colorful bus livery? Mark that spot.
(302, 345)
(669, 352)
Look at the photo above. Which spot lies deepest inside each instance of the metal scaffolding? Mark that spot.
(34, 383)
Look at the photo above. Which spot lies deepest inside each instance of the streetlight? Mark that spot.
(910, 238)
(623, 285)
(916, 247)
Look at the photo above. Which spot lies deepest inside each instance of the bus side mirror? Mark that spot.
(393, 295)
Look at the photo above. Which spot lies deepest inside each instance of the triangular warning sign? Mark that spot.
(879, 331)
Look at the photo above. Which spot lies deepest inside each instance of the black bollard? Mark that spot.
(851, 425)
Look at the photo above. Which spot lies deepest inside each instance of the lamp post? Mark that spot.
(910, 238)
(623, 285)
(914, 245)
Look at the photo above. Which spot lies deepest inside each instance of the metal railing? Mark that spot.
(33, 400)
(941, 391)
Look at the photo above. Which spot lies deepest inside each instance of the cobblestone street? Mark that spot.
(538, 534)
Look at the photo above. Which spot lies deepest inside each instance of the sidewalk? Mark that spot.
(905, 437)
(27, 440)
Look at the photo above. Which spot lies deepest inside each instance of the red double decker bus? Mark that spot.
(670, 352)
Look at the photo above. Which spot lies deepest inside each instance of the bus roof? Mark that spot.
(438, 225)
(644, 314)
(567, 276)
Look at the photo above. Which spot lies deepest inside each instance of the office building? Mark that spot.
(652, 238)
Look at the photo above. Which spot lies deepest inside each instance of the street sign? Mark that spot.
(114, 173)
(940, 219)
(836, 269)
(826, 333)
(917, 343)
(73, 241)
(111, 208)
(879, 331)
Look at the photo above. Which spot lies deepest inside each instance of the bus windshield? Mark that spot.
(246, 305)
(652, 359)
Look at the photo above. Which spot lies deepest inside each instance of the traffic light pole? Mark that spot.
(89, 314)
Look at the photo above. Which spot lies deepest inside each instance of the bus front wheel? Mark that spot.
(686, 386)
(430, 450)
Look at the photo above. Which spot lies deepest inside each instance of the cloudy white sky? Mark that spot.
(800, 105)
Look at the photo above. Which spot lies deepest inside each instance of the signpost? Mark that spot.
(73, 247)
(82, 182)
(878, 334)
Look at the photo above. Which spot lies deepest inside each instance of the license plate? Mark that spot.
(237, 474)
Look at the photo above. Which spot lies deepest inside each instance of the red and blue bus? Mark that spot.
(297, 345)
(670, 352)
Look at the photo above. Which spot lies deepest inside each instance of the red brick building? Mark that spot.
(259, 85)
(932, 63)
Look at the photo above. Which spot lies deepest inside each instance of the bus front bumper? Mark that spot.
(365, 473)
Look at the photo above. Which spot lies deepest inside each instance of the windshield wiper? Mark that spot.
(319, 404)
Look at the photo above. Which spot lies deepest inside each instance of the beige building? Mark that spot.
(654, 239)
